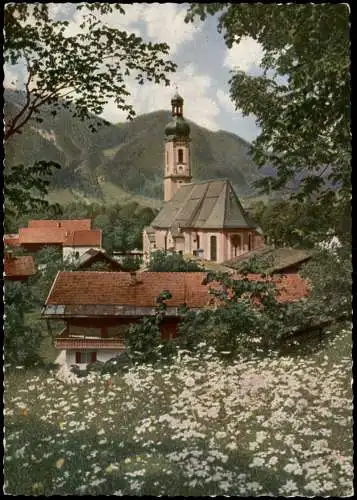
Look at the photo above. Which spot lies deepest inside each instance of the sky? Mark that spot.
(204, 65)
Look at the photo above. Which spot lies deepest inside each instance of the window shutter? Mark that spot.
(78, 357)
(94, 356)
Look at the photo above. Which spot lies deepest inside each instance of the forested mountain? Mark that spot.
(127, 156)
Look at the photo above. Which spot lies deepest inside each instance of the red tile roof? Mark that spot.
(89, 288)
(69, 224)
(48, 236)
(17, 267)
(84, 238)
(12, 240)
(42, 236)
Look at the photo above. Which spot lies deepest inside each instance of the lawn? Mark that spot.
(274, 426)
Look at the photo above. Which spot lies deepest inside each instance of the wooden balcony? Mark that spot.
(89, 343)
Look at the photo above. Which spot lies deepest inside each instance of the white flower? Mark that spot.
(289, 487)
(257, 462)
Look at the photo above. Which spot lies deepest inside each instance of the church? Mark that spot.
(205, 218)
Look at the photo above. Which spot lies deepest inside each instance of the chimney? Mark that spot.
(9, 255)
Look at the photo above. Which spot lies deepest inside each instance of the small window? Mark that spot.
(180, 155)
(76, 255)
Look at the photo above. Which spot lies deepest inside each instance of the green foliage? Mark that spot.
(131, 263)
(255, 265)
(143, 340)
(63, 72)
(24, 330)
(25, 188)
(49, 262)
(161, 261)
(330, 275)
(297, 224)
(248, 318)
(21, 340)
(301, 99)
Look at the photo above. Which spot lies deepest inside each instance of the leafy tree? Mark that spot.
(79, 72)
(330, 275)
(161, 261)
(302, 98)
(49, 262)
(25, 187)
(21, 340)
(143, 340)
(291, 223)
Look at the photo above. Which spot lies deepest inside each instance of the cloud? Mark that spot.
(245, 55)
(194, 87)
(14, 76)
(155, 22)
(165, 23)
(225, 101)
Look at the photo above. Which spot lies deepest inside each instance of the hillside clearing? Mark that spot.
(278, 426)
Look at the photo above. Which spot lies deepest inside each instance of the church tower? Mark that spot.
(177, 150)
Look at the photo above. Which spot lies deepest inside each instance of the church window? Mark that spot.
(167, 157)
(214, 248)
(180, 155)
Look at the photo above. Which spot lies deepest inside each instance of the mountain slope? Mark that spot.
(127, 156)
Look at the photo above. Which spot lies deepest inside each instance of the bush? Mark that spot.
(161, 261)
(21, 341)
(118, 364)
(143, 340)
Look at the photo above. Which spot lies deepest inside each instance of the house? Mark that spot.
(11, 240)
(72, 237)
(197, 218)
(98, 258)
(33, 239)
(96, 307)
(276, 260)
(78, 242)
(18, 268)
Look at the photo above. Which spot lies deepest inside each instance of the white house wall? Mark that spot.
(102, 355)
(69, 253)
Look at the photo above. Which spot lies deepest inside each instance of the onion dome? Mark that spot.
(177, 127)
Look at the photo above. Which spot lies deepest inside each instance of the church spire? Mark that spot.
(177, 104)
(177, 150)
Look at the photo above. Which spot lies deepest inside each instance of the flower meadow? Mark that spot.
(280, 425)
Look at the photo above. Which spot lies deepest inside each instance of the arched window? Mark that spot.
(180, 155)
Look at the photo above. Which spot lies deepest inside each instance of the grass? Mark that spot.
(274, 426)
